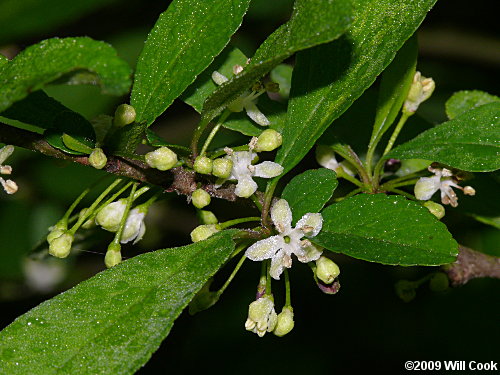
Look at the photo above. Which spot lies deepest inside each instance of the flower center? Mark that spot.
(287, 239)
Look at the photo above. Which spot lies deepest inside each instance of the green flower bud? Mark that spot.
(326, 270)
(124, 115)
(435, 208)
(200, 198)
(60, 247)
(421, 89)
(203, 165)
(202, 232)
(269, 140)
(439, 282)
(90, 223)
(110, 216)
(261, 316)
(406, 290)
(285, 322)
(162, 158)
(222, 167)
(207, 217)
(113, 255)
(97, 158)
(54, 233)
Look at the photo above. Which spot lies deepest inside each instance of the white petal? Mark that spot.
(311, 253)
(277, 265)
(245, 187)
(219, 78)
(282, 216)
(132, 226)
(268, 169)
(256, 115)
(308, 221)
(426, 187)
(326, 157)
(264, 249)
(142, 230)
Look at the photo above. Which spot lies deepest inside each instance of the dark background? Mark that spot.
(364, 327)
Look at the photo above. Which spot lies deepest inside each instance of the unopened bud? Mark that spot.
(261, 316)
(97, 158)
(200, 198)
(54, 233)
(113, 255)
(162, 158)
(326, 270)
(207, 217)
(421, 89)
(406, 290)
(110, 216)
(285, 322)
(203, 165)
(60, 246)
(222, 167)
(435, 208)
(269, 140)
(89, 223)
(439, 282)
(124, 115)
(202, 232)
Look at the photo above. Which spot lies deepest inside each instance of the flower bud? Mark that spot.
(113, 255)
(269, 140)
(439, 282)
(90, 223)
(326, 270)
(202, 232)
(54, 233)
(60, 246)
(406, 290)
(124, 115)
(435, 208)
(222, 167)
(207, 217)
(203, 165)
(261, 316)
(110, 216)
(285, 322)
(200, 198)
(162, 158)
(97, 158)
(421, 89)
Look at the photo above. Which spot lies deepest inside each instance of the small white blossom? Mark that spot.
(289, 241)
(442, 180)
(246, 101)
(325, 156)
(134, 226)
(243, 171)
(261, 316)
(9, 186)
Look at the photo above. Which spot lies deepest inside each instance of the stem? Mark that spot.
(268, 197)
(350, 194)
(391, 185)
(288, 300)
(256, 201)
(233, 274)
(214, 131)
(123, 221)
(91, 209)
(230, 223)
(74, 204)
(349, 178)
(268, 277)
(404, 116)
(197, 134)
(404, 193)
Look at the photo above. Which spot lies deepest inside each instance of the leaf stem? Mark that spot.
(230, 223)
(404, 116)
(233, 274)
(391, 185)
(214, 131)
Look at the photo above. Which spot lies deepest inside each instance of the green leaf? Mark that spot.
(60, 59)
(394, 86)
(76, 145)
(313, 22)
(386, 229)
(470, 142)
(196, 94)
(463, 101)
(113, 322)
(493, 221)
(156, 141)
(36, 109)
(183, 42)
(309, 191)
(321, 91)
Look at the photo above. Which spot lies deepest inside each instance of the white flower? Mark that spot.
(442, 180)
(325, 156)
(245, 101)
(9, 186)
(243, 171)
(289, 241)
(261, 316)
(134, 226)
